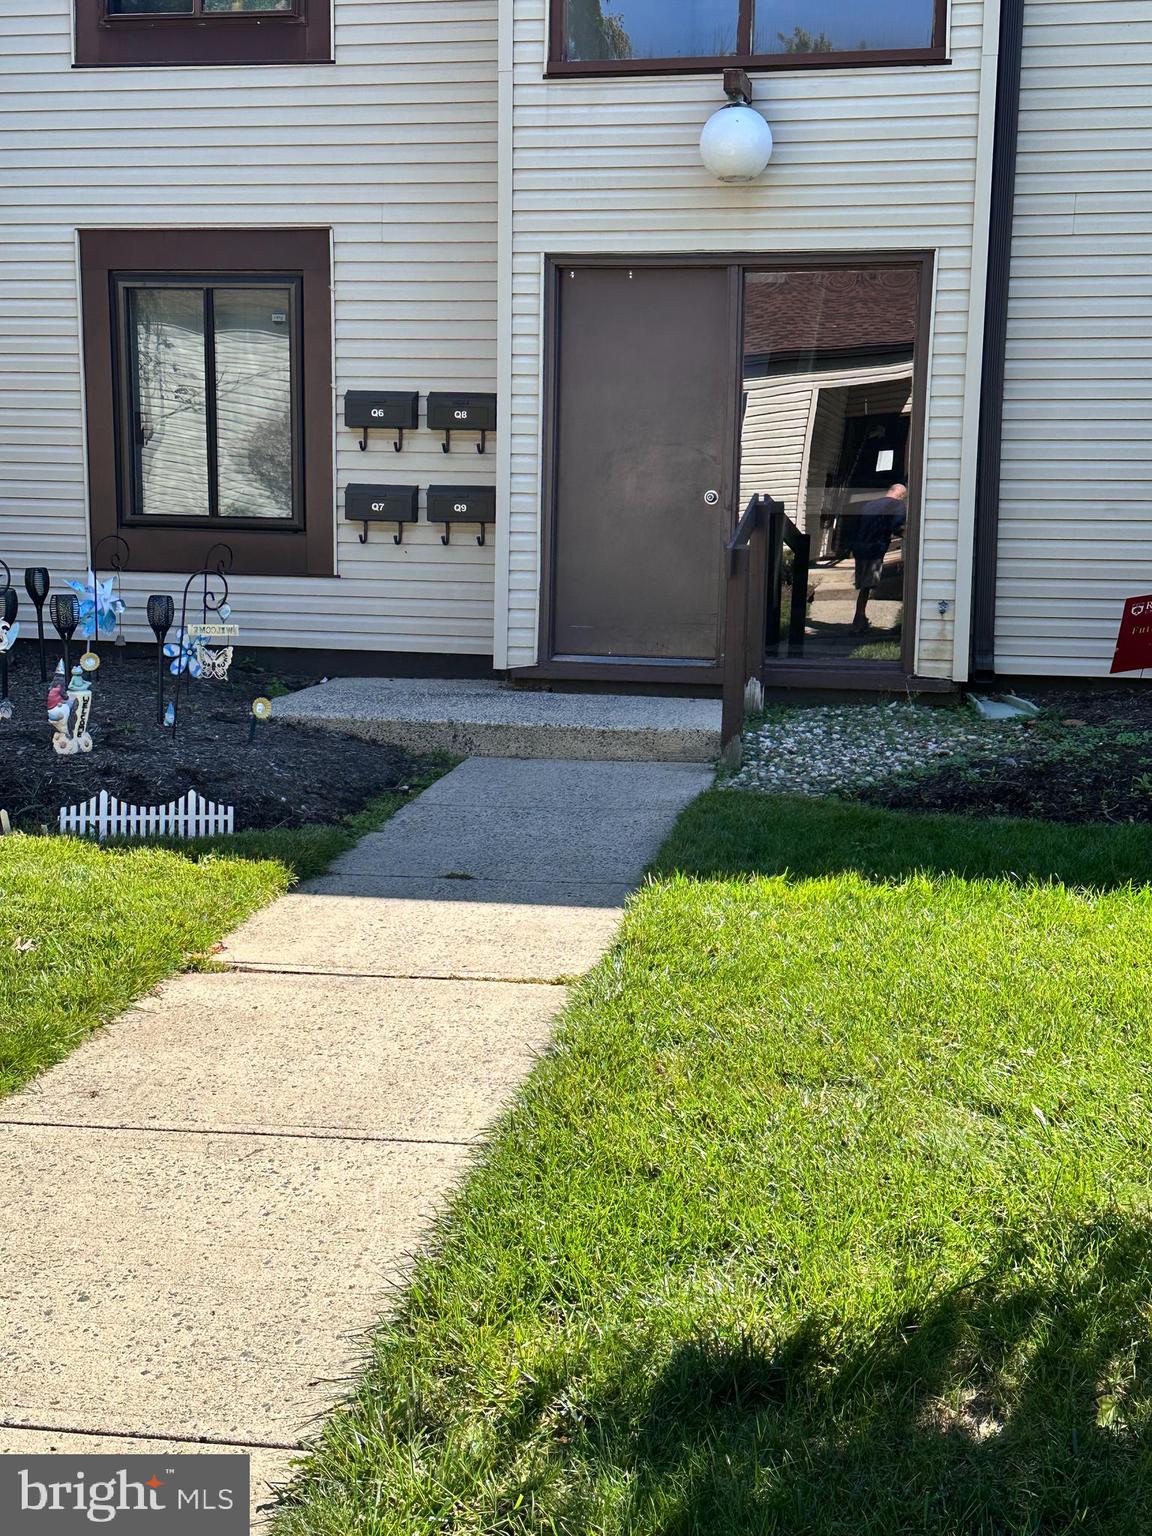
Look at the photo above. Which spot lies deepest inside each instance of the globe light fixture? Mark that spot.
(736, 143)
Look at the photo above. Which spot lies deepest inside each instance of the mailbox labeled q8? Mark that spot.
(381, 408)
(461, 413)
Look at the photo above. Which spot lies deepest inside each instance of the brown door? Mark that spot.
(644, 420)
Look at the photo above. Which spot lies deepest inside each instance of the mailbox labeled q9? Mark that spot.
(450, 504)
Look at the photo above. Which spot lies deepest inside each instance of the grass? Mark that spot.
(828, 1213)
(85, 930)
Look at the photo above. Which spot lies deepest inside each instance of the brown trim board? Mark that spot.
(990, 440)
(299, 254)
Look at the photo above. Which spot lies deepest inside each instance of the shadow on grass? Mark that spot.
(728, 833)
(1016, 1404)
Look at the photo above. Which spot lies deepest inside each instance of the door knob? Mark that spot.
(711, 498)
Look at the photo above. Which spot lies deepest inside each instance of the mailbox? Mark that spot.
(381, 504)
(450, 413)
(394, 410)
(450, 504)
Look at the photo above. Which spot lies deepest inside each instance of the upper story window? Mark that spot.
(119, 32)
(654, 37)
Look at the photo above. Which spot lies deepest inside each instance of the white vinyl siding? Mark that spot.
(393, 147)
(1076, 487)
(866, 160)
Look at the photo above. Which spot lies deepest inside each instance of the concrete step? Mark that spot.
(489, 719)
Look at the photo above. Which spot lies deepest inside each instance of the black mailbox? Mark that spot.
(450, 413)
(450, 504)
(382, 504)
(394, 410)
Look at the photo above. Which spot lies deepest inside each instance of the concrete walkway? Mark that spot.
(208, 1203)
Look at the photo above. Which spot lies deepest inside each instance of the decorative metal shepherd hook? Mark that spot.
(119, 558)
(211, 601)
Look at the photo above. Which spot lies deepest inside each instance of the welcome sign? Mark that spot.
(1134, 642)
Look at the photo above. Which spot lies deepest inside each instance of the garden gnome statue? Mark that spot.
(68, 710)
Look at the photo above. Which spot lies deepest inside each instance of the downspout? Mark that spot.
(991, 432)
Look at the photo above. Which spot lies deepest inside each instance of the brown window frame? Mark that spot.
(561, 68)
(113, 260)
(302, 35)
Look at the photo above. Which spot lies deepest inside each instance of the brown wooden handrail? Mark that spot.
(746, 612)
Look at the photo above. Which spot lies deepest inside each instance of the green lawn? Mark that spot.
(85, 930)
(828, 1214)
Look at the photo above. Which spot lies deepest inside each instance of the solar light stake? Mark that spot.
(161, 612)
(36, 584)
(64, 611)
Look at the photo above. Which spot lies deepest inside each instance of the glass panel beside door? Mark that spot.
(827, 426)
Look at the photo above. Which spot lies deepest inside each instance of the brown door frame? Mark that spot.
(797, 674)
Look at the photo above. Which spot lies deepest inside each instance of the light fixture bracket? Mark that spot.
(738, 87)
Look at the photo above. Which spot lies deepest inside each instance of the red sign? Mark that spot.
(1134, 642)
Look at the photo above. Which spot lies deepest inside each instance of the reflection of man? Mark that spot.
(878, 522)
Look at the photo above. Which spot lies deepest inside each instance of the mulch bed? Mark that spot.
(289, 776)
(1087, 758)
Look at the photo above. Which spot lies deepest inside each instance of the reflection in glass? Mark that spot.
(650, 29)
(170, 430)
(254, 401)
(828, 374)
(215, 7)
(842, 26)
(149, 7)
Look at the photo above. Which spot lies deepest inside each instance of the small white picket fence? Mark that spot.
(105, 816)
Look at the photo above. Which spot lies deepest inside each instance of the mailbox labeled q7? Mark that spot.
(381, 503)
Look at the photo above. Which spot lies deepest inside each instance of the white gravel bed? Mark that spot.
(837, 748)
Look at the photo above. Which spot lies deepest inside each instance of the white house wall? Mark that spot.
(394, 148)
(866, 159)
(1076, 492)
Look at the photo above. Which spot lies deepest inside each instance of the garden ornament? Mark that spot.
(68, 709)
(100, 605)
(182, 653)
(261, 710)
(9, 630)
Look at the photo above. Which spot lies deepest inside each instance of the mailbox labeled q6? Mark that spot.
(385, 408)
